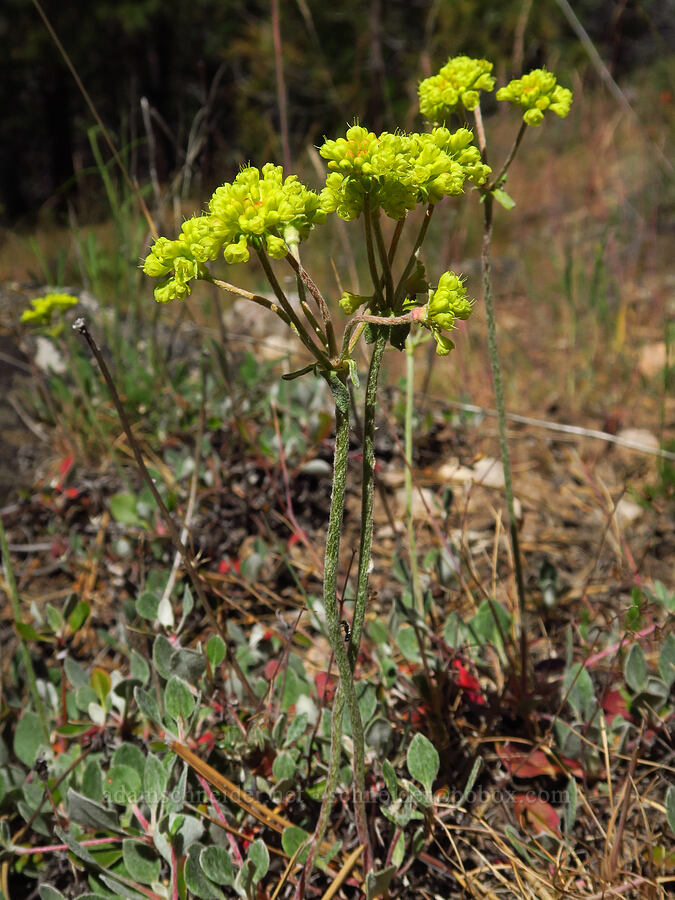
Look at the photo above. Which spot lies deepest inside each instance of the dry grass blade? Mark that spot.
(347, 866)
(252, 806)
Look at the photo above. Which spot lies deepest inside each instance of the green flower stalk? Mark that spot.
(457, 86)
(535, 93)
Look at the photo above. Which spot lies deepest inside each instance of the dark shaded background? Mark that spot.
(207, 70)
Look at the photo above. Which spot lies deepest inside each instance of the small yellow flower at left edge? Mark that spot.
(42, 308)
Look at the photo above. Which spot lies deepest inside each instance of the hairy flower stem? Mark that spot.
(341, 396)
(367, 493)
(410, 346)
(501, 421)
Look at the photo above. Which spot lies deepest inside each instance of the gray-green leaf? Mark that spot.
(635, 668)
(141, 861)
(422, 760)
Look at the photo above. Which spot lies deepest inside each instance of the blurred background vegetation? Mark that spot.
(207, 72)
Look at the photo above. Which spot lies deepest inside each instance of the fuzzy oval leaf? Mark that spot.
(188, 665)
(422, 760)
(147, 605)
(178, 699)
(217, 865)
(635, 668)
(155, 778)
(162, 651)
(195, 879)
(76, 673)
(92, 781)
(283, 766)
(141, 861)
(389, 775)
(296, 729)
(147, 703)
(129, 755)
(406, 640)
(293, 837)
(90, 814)
(28, 738)
(47, 892)
(216, 651)
(260, 857)
(122, 785)
(138, 666)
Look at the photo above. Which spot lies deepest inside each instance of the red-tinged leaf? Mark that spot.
(614, 704)
(66, 465)
(419, 716)
(272, 667)
(468, 682)
(294, 539)
(206, 741)
(574, 766)
(326, 685)
(229, 565)
(524, 763)
(535, 815)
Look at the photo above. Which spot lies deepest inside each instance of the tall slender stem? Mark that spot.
(410, 345)
(501, 423)
(340, 459)
(367, 493)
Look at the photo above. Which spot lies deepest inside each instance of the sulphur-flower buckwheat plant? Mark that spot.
(392, 173)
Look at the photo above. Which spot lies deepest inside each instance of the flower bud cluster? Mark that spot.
(456, 85)
(447, 303)
(536, 92)
(258, 209)
(42, 308)
(397, 171)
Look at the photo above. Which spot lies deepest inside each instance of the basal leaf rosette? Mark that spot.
(259, 209)
(42, 308)
(456, 85)
(396, 171)
(536, 92)
(447, 303)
